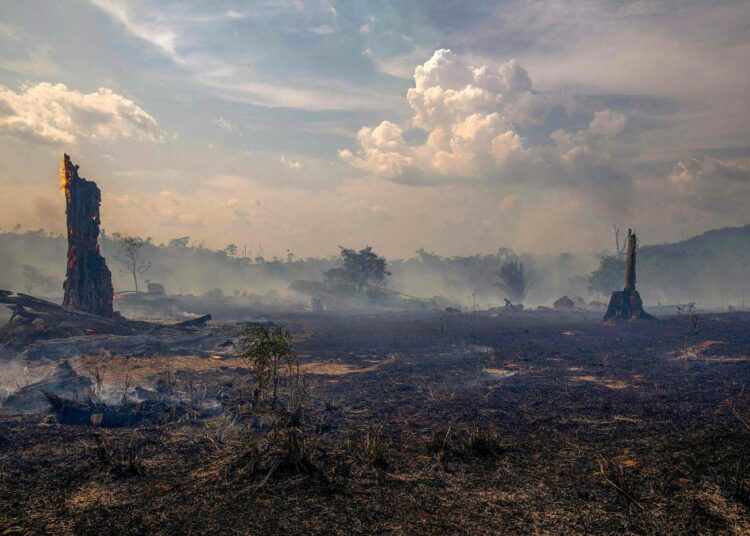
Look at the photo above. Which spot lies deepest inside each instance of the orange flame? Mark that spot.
(65, 175)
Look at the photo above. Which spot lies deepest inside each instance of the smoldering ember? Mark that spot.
(351, 268)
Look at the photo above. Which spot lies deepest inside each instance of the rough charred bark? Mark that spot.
(88, 281)
(629, 279)
(626, 304)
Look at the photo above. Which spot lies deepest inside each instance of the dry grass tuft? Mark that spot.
(368, 447)
(475, 442)
(482, 443)
(123, 457)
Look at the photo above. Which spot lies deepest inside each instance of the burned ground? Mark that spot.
(525, 423)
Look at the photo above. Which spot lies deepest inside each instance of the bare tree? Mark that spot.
(619, 251)
(130, 256)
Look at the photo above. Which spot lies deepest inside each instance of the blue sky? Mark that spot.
(459, 127)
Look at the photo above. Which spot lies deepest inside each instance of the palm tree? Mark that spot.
(513, 281)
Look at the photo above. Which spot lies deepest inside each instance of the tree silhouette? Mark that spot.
(513, 281)
(608, 277)
(359, 268)
(130, 257)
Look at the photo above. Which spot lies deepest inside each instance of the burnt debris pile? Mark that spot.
(626, 304)
(34, 319)
(88, 281)
(33, 398)
(76, 399)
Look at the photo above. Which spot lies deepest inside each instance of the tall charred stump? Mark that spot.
(88, 281)
(626, 304)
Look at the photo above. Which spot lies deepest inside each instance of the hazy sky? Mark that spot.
(455, 126)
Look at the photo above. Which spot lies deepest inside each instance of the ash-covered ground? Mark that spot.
(528, 423)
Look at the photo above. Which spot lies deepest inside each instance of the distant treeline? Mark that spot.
(711, 269)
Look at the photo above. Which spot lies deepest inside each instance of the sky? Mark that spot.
(457, 127)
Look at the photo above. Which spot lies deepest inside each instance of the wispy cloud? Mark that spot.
(188, 38)
(153, 30)
(292, 164)
(226, 126)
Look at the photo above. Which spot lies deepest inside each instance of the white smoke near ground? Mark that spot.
(16, 374)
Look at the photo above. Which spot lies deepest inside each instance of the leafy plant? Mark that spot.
(270, 350)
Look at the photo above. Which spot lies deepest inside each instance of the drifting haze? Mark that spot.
(304, 125)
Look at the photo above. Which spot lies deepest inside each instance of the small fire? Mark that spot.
(65, 175)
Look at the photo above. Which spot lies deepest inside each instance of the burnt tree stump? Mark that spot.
(626, 304)
(88, 281)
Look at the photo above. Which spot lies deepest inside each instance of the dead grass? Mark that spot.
(374, 452)
(708, 351)
(605, 382)
(123, 456)
(96, 495)
(482, 443)
(449, 445)
(146, 370)
(368, 447)
(334, 369)
(500, 373)
(727, 516)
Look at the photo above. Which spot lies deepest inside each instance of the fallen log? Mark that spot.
(53, 315)
(192, 323)
(35, 318)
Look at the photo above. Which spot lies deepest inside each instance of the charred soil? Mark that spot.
(419, 423)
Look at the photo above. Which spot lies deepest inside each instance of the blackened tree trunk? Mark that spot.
(629, 280)
(626, 304)
(88, 281)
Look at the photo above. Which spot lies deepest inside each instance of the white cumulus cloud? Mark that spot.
(472, 118)
(608, 123)
(469, 115)
(57, 114)
(711, 184)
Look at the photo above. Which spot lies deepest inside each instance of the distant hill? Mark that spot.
(712, 268)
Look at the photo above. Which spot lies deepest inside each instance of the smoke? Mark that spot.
(707, 270)
(16, 374)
